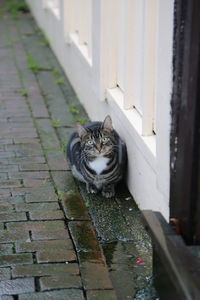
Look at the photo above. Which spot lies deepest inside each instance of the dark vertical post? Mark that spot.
(184, 198)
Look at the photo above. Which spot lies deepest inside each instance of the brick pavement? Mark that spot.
(48, 246)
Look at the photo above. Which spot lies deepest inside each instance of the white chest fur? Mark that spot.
(99, 164)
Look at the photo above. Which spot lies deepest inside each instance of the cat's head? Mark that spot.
(97, 142)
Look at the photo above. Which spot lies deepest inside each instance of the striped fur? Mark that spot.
(97, 156)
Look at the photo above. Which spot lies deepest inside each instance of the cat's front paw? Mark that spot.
(91, 189)
(108, 191)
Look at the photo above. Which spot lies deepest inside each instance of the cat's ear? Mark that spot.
(107, 124)
(81, 130)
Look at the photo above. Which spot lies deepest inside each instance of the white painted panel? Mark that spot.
(149, 81)
(121, 5)
(148, 172)
(134, 16)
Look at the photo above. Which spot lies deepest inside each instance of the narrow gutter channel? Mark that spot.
(126, 245)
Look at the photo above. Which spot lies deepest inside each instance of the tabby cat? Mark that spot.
(97, 156)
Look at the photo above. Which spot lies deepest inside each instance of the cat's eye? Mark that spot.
(104, 140)
(90, 142)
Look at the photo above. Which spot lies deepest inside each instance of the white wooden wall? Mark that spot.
(118, 57)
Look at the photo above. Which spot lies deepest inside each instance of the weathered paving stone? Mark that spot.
(6, 154)
(7, 298)
(5, 193)
(75, 208)
(56, 161)
(3, 176)
(9, 168)
(28, 175)
(46, 215)
(58, 110)
(25, 140)
(94, 271)
(43, 206)
(58, 282)
(6, 207)
(6, 248)
(15, 259)
(48, 135)
(35, 225)
(33, 167)
(61, 234)
(71, 294)
(21, 191)
(6, 237)
(41, 195)
(64, 182)
(35, 183)
(5, 273)
(22, 150)
(18, 216)
(45, 270)
(101, 295)
(10, 183)
(55, 256)
(26, 160)
(44, 245)
(17, 286)
(12, 200)
(65, 133)
(84, 236)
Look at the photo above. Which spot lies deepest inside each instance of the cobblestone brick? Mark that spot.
(35, 225)
(58, 282)
(45, 269)
(22, 150)
(6, 248)
(94, 271)
(5, 193)
(43, 206)
(3, 176)
(7, 298)
(6, 154)
(26, 160)
(15, 259)
(10, 183)
(5, 273)
(33, 167)
(17, 286)
(64, 182)
(57, 161)
(48, 135)
(55, 256)
(84, 236)
(27, 175)
(12, 200)
(46, 215)
(36, 183)
(6, 207)
(9, 168)
(44, 245)
(74, 207)
(62, 234)
(101, 295)
(6, 237)
(18, 216)
(41, 195)
(70, 294)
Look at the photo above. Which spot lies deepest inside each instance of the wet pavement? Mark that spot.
(56, 241)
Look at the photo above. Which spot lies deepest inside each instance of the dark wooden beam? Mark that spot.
(176, 269)
(185, 114)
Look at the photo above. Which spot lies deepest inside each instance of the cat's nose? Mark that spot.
(99, 148)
